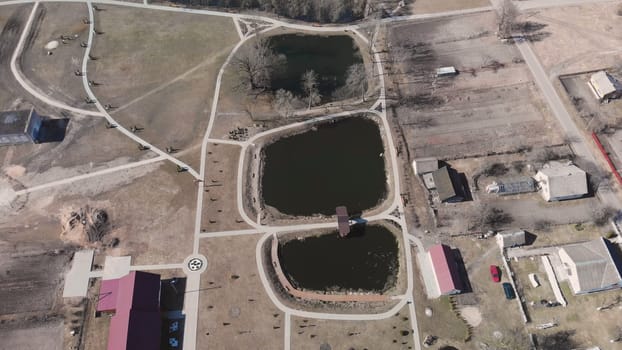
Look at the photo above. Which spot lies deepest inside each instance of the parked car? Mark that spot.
(509, 291)
(495, 273)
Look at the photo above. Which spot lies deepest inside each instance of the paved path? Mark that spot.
(77, 178)
(26, 85)
(580, 140)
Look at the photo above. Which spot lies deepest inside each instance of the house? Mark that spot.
(509, 239)
(425, 165)
(512, 186)
(558, 182)
(445, 268)
(19, 127)
(448, 185)
(604, 86)
(134, 299)
(591, 266)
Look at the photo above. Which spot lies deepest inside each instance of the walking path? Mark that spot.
(73, 179)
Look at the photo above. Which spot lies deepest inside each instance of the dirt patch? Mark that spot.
(47, 337)
(433, 6)
(471, 315)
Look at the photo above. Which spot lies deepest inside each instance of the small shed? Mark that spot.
(559, 181)
(446, 71)
(445, 269)
(604, 86)
(511, 238)
(425, 165)
(448, 185)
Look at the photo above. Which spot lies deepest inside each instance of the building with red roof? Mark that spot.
(445, 269)
(135, 301)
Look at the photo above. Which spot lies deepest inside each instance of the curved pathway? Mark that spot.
(25, 84)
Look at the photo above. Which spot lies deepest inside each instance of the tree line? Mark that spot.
(325, 11)
(256, 62)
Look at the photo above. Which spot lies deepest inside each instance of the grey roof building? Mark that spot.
(591, 266)
(508, 239)
(448, 185)
(19, 127)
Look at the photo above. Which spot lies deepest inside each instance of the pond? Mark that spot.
(337, 163)
(366, 259)
(328, 56)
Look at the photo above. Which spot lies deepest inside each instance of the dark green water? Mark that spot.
(365, 260)
(328, 56)
(314, 172)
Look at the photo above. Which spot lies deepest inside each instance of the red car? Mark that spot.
(495, 273)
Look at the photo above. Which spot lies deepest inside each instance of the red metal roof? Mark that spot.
(107, 300)
(445, 269)
(137, 320)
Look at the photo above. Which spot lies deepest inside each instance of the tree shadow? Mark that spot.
(538, 36)
(529, 26)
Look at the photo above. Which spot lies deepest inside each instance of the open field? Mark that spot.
(579, 38)
(46, 337)
(54, 74)
(391, 333)
(491, 107)
(31, 276)
(220, 211)
(159, 70)
(432, 6)
(234, 310)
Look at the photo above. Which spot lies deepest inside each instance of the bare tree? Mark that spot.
(283, 102)
(356, 80)
(310, 88)
(507, 18)
(255, 63)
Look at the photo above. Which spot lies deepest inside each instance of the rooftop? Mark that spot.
(445, 180)
(598, 266)
(445, 269)
(604, 84)
(564, 180)
(14, 122)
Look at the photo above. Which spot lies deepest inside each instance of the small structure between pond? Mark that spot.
(343, 221)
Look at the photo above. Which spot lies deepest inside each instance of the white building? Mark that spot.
(559, 181)
(604, 86)
(591, 266)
